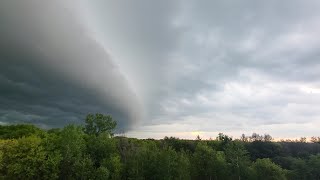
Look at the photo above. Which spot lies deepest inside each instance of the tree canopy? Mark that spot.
(91, 151)
(99, 123)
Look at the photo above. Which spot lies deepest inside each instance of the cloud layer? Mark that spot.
(235, 67)
(183, 68)
(53, 72)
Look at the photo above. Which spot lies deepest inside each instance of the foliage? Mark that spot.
(265, 169)
(99, 123)
(314, 165)
(26, 158)
(18, 131)
(92, 152)
(203, 162)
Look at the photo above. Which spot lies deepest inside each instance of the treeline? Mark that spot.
(92, 151)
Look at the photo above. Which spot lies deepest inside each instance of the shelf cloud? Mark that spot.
(53, 71)
(163, 68)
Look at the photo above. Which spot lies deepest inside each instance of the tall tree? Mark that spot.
(99, 123)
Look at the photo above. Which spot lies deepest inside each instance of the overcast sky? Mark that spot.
(163, 68)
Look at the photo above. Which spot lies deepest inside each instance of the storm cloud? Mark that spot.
(53, 71)
(182, 68)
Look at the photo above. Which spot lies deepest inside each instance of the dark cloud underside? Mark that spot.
(52, 72)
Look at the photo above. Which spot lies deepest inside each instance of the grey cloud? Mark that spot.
(211, 66)
(51, 67)
(277, 42)
(145, 31)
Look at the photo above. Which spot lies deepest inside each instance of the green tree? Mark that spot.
(102, 173)
(26, 158)
(182, 170)
(264, 149)
(173, 165)
(299, 169)
(99, 123)
(221, 166)
(203, 159)
(238, 160)
(114, 166)
(314, 166)
(142, 162)
(223, 140)
(265, 169)
(19, 130)
(72, 145)
(84, 169)
(100, 147)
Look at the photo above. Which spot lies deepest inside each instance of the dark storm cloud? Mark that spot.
(214, 66)
(53, 71)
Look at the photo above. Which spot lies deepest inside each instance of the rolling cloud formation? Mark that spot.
(182, 68)
(53, 71)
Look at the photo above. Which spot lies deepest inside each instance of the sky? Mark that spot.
(163, 68)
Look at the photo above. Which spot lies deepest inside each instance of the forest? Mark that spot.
(93, 151)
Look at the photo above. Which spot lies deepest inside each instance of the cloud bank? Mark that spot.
(53, 71)
(183, 68)
(234, 67)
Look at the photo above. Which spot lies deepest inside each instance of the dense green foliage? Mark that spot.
(92, 152)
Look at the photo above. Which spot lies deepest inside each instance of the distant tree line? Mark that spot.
(92, 151)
